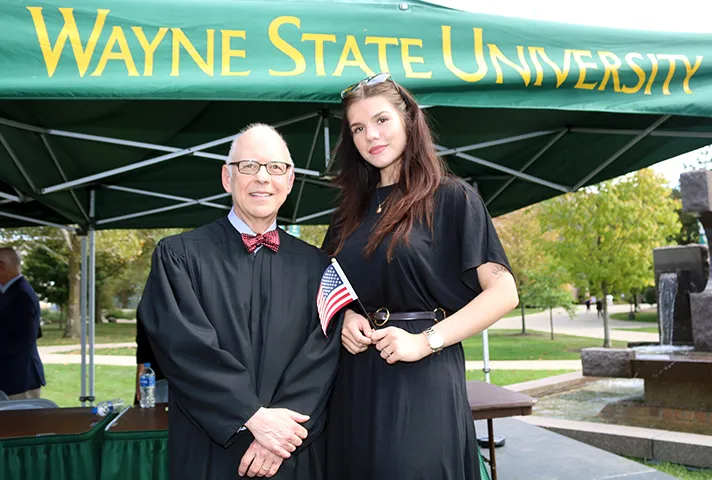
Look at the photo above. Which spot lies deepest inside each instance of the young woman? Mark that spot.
(422, 254)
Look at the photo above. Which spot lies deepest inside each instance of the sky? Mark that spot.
(631, 14)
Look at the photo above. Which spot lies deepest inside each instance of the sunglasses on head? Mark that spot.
(370, 81)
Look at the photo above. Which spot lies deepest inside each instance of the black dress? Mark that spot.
(412, 421)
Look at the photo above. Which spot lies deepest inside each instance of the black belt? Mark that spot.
(381, 316)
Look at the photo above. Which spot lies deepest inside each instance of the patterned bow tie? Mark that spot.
(268, 239)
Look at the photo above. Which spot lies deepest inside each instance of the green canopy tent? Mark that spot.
(120, 114)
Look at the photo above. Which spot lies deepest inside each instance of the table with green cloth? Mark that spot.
(50, 444)
(136, 445)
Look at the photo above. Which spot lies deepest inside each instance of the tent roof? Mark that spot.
(525, 109)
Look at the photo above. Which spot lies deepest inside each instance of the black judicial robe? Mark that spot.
(235, 331)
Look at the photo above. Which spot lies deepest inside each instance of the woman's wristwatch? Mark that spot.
(434, 339)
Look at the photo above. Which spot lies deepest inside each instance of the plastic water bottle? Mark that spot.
(147, 382)
(108, 406)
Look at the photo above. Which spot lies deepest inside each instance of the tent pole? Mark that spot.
(309, 159)
(528, 164)
(7, 196)
(83, 319)
(92, 291)
(52, 155)
(162, 209)
(510, 171)
(315, 215)
(35, 221)
(17, 162)
(494, 143)
(155, 160)
(163, 195)
(624, 149)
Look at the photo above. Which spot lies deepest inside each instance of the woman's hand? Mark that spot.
(355, 332)
(397, 345)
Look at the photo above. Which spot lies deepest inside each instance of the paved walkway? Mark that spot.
(582, 325)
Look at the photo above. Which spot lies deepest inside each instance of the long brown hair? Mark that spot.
(421, 171)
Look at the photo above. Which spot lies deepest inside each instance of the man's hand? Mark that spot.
(259, 462)
(278, 429)
(355, 332)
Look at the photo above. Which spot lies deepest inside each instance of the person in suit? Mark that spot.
(21, 370)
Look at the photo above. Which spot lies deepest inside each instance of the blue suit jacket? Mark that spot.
(20, 365)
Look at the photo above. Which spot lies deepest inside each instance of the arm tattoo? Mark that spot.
(498, 270)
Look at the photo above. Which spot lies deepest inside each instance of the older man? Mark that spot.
(230, 311)
(21, 371)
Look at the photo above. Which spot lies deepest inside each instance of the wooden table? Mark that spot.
(137, 419)
(46, 421)
(489, 401)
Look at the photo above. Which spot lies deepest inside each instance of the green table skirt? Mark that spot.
(135, 456)
(53, 457)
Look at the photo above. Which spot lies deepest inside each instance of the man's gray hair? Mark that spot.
(233, 146)
(10, 256)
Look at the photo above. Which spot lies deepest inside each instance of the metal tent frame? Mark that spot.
(306, 175)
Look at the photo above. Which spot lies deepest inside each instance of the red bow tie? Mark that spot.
(268, 239)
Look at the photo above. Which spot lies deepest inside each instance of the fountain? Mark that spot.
(677, 373)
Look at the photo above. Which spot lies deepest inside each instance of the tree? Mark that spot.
(547, 289)
(520, 233)
(606, 234)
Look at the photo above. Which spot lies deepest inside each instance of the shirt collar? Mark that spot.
(4, 288)
(242, 227)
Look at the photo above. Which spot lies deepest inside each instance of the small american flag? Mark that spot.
(335, 292)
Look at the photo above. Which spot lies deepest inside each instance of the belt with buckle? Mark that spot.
(381, 316)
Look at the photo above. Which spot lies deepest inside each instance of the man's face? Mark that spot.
(258, 197)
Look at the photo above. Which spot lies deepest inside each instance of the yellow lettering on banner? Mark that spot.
(653, 74)
(319, 39)
(537, 66)
(629, 59)
(179, 39)
(523, 68)
(671, 72)
(124, 53)
(561, 74)
(479, 56)
(69, 31)
(228, 53)
(689, 72)
(351, 47)
(406, 43)
(382, 43)
(149, 48)
(300, 65)
(611, 64)
(582, 69)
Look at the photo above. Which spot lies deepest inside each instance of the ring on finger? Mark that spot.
(265, 468)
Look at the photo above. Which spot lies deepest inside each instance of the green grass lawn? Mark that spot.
(510, 377)
(677, 471)
(645, 317)
(641, 329)
(130, 352)
(517, 312)
(512, 345)
(63, 383)
(103, 333)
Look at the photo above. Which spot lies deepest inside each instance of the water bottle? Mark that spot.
(108, 406)
(147, 382)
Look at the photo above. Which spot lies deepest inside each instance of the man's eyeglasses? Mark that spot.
(374, 80)
(251, 167)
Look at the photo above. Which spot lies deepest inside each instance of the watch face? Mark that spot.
(436, 341)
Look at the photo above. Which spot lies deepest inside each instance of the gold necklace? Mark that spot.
(380, 203)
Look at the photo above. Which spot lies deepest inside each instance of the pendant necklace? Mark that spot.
(380, 203)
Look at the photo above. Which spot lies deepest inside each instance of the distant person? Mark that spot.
(21, 370)
(588, 304)
(599, 308)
